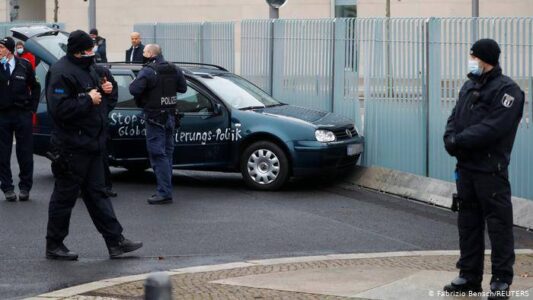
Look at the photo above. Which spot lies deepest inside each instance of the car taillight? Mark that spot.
(34, 119)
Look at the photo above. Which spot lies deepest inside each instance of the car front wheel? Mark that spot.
(264, 166)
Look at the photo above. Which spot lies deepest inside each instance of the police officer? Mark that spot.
(480, 133)
(19, 97)
(155, 90)
(100, 52)
(77, 97)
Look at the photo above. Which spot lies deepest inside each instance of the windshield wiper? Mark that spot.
(251, 107)
(278, 104)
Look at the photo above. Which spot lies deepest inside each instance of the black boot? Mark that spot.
(124, 246)
(499, 290)
(60, 252)
(462, 285)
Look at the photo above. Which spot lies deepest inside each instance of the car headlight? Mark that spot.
(325, 136)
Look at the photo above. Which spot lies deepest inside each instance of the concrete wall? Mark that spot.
(32, 10)
(447, 8)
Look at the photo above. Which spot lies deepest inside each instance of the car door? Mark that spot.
(204, 137)
(126, 127)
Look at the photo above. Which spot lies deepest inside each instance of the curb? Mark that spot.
(429, 190)
(88, 287)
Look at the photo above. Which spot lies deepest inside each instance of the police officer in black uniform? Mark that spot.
(155, 90)
(77, 102)
(19, 97)
(480, 133)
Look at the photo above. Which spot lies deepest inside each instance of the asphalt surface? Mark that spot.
(214, 219)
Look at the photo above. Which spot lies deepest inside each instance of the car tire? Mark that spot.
(264, 166)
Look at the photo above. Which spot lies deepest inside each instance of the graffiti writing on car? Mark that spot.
(219, 135)
(128, 125)
(133, 126)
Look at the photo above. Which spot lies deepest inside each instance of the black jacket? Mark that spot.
(485, 120)
(21, 90)
(101, 52)
(79, 126)
(147, 79)
(137, 55)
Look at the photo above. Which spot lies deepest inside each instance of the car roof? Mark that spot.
(190, 68)
(27, 32)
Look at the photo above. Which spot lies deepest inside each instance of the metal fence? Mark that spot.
(212, 43)
(397, 78)
(309, 63)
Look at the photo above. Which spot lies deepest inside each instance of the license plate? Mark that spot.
(354, 149)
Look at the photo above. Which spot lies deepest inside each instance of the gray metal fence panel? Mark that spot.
(211, 43)
(346, 98)
(256, 52)
(303, 68)
(218, 44)
(180, 41)
(147, 31)
(396, 109)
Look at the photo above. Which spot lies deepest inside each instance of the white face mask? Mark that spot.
(474, 68)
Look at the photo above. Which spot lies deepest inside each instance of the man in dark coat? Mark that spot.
(78, 94)
(135, 53)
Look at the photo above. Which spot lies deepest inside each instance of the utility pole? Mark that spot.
(475, 8)
(92, 14)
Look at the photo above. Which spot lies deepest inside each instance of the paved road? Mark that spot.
(215, 219)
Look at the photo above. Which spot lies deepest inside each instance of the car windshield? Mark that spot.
(238, 92)
(55, 43)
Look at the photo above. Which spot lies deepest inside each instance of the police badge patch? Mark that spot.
(507, 100)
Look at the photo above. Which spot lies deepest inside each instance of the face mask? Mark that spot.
(20, 50)
(3, 60)
(474, 68)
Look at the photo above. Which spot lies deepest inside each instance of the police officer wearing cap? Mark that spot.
(480, 133)
(19, 97)
(155, 90)
(78, 94)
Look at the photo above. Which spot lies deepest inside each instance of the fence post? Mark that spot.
(433, 87)
(339, 61)
(277, 62)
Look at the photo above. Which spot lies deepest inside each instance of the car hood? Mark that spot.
(320, 119)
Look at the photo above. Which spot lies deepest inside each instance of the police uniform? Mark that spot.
(78, 141)
(480, 133)
(155, 90)
(19, 97)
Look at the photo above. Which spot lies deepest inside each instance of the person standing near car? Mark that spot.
(480, 133)
(135, 53)
(155, 90)
(19, 97)
(23, 53)
(77, 96)
(100, 52)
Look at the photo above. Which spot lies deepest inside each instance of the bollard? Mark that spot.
(158, 287)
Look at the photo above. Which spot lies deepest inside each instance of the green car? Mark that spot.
(228, 124)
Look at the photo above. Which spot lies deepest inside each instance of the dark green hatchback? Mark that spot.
(228, 124)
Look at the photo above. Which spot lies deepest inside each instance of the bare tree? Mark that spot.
(56, 10)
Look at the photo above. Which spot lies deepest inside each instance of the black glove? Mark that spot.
(450, 145)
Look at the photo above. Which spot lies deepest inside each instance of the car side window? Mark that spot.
(192, 101)
(125, 99)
